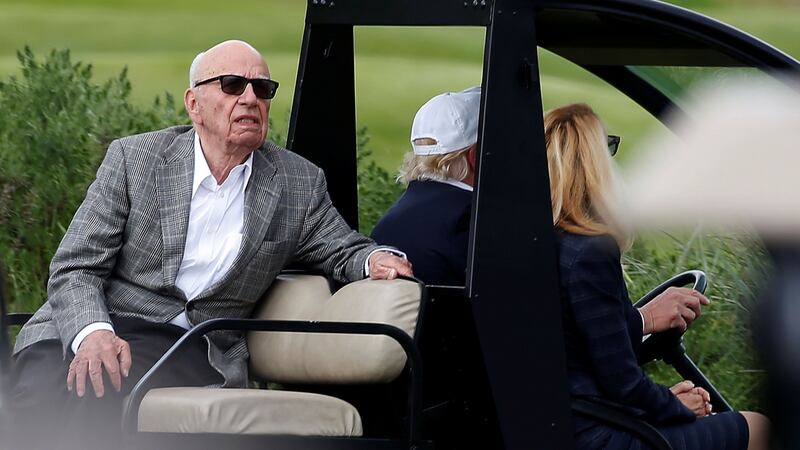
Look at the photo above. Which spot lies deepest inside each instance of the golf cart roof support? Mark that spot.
(512, 265)
(398, 13)
(323, 119)
(640, 91)
(672, 36)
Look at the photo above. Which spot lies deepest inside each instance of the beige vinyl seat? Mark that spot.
(298, 358)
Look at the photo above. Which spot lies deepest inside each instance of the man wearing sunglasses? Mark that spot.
(181, 225)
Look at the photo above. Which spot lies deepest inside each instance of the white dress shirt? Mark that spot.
(214, 234)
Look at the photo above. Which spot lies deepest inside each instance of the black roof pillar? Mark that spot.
(323, 122)
(513, 278)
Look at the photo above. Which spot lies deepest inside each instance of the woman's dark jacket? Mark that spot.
(603, 332)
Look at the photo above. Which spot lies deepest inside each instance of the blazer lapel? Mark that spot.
(261, 198)
(174, 190)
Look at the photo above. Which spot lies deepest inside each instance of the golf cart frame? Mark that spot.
(511, 300)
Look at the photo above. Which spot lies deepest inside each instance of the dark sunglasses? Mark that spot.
(236, 84)
(613, 144)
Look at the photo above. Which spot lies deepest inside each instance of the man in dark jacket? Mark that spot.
(430, 222)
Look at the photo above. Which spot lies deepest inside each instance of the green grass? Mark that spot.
(397, 69)
(156, 40)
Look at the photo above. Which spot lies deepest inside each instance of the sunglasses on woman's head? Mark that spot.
(235, 84)
(613, 144)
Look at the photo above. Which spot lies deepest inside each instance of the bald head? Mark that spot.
(203, 63)
(231, 122)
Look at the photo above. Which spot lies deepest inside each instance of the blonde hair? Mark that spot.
(583, 183)
(449, 166)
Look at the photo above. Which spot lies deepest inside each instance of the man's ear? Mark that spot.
(190, 102)
(472, 156)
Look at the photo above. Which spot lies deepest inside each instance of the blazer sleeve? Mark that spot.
(600, 307)
(327, 242)
(88, 251)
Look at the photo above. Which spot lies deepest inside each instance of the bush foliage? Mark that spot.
(57, 123)
(55, 127)
(377, 189)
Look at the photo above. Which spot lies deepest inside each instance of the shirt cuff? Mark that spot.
(382, 249)
(87, 330)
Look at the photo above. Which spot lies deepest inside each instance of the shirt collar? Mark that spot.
(202, 171)
(458, 184)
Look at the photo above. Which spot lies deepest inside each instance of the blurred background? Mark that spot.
(59, 115)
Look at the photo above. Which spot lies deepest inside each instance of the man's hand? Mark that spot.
(100, 349)
(674, 308)
(697, 399)
(386, 266)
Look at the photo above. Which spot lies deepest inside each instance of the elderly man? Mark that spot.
(181, 225)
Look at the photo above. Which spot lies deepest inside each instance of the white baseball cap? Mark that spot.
(451, 119)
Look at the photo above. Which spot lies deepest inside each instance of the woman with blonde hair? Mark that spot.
(603, 331)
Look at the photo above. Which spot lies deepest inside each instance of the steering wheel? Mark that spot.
(661, 345)
(668, 345)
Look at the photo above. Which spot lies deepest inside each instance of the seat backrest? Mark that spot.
(333, 358)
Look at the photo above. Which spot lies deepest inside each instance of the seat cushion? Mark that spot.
(246, 411)
(333, 358)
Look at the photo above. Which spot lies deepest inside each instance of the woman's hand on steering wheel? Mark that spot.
(677, 307)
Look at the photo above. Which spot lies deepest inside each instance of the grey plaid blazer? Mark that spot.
(122, 251)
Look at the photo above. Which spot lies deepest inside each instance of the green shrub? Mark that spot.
(54, 130)
(377, 189)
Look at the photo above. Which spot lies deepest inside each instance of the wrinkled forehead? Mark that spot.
(236, 60)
